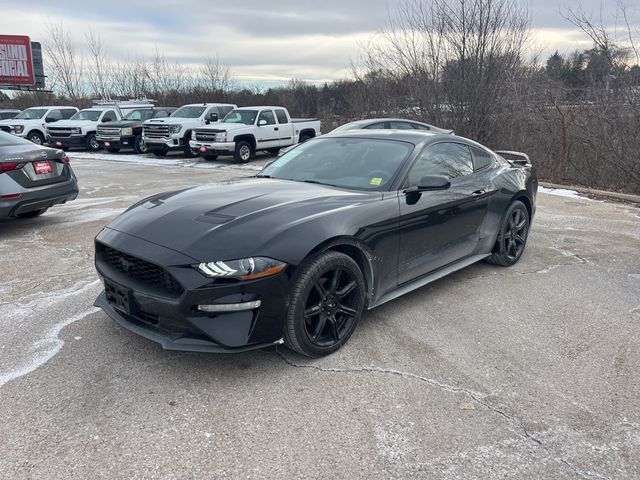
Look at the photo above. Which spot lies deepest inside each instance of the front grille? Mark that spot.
(138, 269)
(109, 132)
(5, 128)
(59, 132)
(205, 135)
(156, 131)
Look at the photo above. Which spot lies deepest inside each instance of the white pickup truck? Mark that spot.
(32, 122)
(246, 130)
(161, 135)
(80, 130)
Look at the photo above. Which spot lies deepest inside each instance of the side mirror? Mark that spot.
(50, 119)
(434, 182)
(262, 122)
(213, 117)
(105, 120)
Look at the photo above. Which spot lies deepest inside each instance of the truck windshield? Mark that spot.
(144, 114)
(32, 113)
(248, 117)
(353, 163)
(188, 112)
(91, 115)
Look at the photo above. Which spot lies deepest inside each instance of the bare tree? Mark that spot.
(99, 67)
(217, 76)
(64, 61)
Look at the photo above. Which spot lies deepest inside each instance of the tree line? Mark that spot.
(459, 64)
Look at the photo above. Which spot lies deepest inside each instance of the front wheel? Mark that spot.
(325, 305)
(36, 138)
(512, 237)
(93, 145)
(243, 152)
(139, 146)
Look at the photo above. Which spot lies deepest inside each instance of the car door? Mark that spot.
(439, 227)
(267, 133)
(285, 128)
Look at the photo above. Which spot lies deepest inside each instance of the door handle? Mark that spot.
(478, 192)
(275, 128)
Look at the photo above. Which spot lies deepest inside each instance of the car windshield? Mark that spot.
(143, 114)
(248, 117)
(32, 113)
(91, 115)
(188, 112)
(357, 163)
(347, 127)
(7, 139)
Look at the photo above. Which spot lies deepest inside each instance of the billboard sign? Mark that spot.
(16, 61)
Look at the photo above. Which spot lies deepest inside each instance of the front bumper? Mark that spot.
(171, 318)
(164, 143)
(67, 142)
(217, 148)
(117, 142)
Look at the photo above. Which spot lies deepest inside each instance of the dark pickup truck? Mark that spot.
(127, 133)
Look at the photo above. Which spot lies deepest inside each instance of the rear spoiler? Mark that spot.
(518, 158)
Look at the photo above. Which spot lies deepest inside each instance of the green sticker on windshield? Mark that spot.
(376, 181)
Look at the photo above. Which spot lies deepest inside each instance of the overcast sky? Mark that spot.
(263, 41)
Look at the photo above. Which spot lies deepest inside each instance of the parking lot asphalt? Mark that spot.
(523, 372)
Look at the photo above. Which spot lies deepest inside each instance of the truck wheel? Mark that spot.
(187, 149)
(304, 137)
(244, 152)
(209, 157)
(139, 146)
(159, 153)
(93, 144)
(36, 137)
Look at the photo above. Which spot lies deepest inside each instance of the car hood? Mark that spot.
(171, 121)
(21, 121)
(233, 220)
(121, 124)
(72, 124)
(28, 153)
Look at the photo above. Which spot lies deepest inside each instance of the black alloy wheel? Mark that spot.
(93, 145)
(512, 237)
(325, 305)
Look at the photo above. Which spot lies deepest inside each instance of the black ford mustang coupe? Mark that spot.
(340, 224)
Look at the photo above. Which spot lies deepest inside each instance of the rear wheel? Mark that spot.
(512, 237)
(159, 153)
(244, 152)
(32, 214)
(139, 146)
(36, 138)
(304, 137)
(325, 305)
(93, 144)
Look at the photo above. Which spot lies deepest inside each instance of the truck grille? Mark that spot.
(138, 269)
(59, 132)
(156, 131)
(109, 132)
(206, 135)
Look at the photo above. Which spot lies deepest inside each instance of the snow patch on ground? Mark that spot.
(161, 162)
(561, 192)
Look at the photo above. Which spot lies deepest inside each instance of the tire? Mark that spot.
(209, 157)
(36, 137)
(322, 313)
(92, 144)
(187, 149)
(244, 152)
(512, 237)
(113, 150)
(33, 214)
(139, 146)
(305, 137)
(159, 153)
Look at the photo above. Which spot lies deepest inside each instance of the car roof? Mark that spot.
(53, 106)
(207, 104)
(411, 136)
(259, 107)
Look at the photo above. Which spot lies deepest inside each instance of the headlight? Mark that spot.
(175, 128)
(244, 269)
(76, 130)
(18, 128)
(193, 134)
(126, 131)
(221, 137)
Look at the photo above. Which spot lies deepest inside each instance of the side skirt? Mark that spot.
(428, 278)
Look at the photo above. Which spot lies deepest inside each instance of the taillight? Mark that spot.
(7, 167)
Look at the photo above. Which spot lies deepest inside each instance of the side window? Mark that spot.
(449, 159)
(401, 125)
(376, 126)
(282, 116)
(109, 116)
(213, 113)
(224, 110)
(419, 126)
(160, 114)
(54, 115)
(68, 113)
(481, 158)
(268, 116)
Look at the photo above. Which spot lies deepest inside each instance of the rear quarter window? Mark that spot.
(481, 158)
(282, 116)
